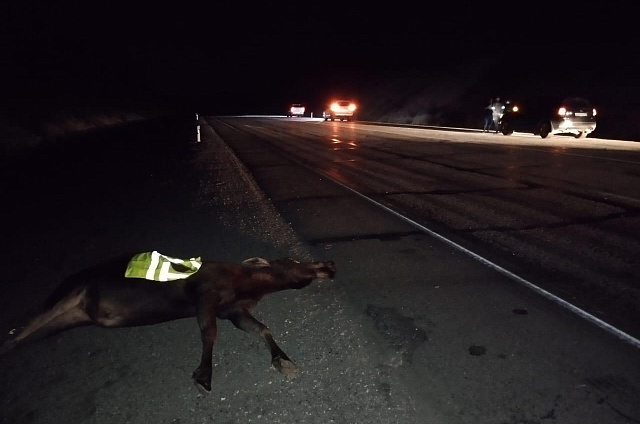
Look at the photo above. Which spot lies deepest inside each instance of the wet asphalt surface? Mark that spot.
(410, 330)
(561, 213)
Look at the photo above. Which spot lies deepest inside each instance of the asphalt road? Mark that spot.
(411, 330)
(561, 213)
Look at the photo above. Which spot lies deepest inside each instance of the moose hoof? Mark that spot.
(286, 367)
(203, 384)
(203, 387)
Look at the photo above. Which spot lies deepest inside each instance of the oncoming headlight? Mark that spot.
(352, 107)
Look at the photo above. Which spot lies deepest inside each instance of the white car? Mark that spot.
(546, 116)
(296, 109)
(340, 109)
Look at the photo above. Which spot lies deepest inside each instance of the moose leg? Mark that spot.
(208, 332)
(66, 314)
(246, 322)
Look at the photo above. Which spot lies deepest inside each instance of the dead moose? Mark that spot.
(102, 296)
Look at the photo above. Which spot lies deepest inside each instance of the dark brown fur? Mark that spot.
(103, 296)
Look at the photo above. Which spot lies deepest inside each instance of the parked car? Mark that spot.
(295, 109)
(340, 109)
(546, 117)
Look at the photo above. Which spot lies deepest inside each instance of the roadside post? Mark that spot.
(197, 130)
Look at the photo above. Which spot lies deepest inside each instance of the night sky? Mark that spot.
(239, 57)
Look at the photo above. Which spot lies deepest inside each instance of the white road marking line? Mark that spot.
(531, 148)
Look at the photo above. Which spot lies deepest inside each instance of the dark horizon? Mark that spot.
(230, 59)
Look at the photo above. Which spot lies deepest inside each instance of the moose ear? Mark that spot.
(290, 260)
(256, 262)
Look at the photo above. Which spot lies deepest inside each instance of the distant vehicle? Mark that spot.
(340, 109)
(296, 109)
(546, 117)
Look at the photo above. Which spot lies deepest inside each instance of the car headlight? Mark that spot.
(352, 107)
(335, 107)
(515, 108)
(562, 111)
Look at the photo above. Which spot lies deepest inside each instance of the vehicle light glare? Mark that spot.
(335, 107)
(352, 107)
(562, 111)
(515, 108)
(594, 112)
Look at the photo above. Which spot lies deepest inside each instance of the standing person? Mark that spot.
(488, 116)
(497, 109)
